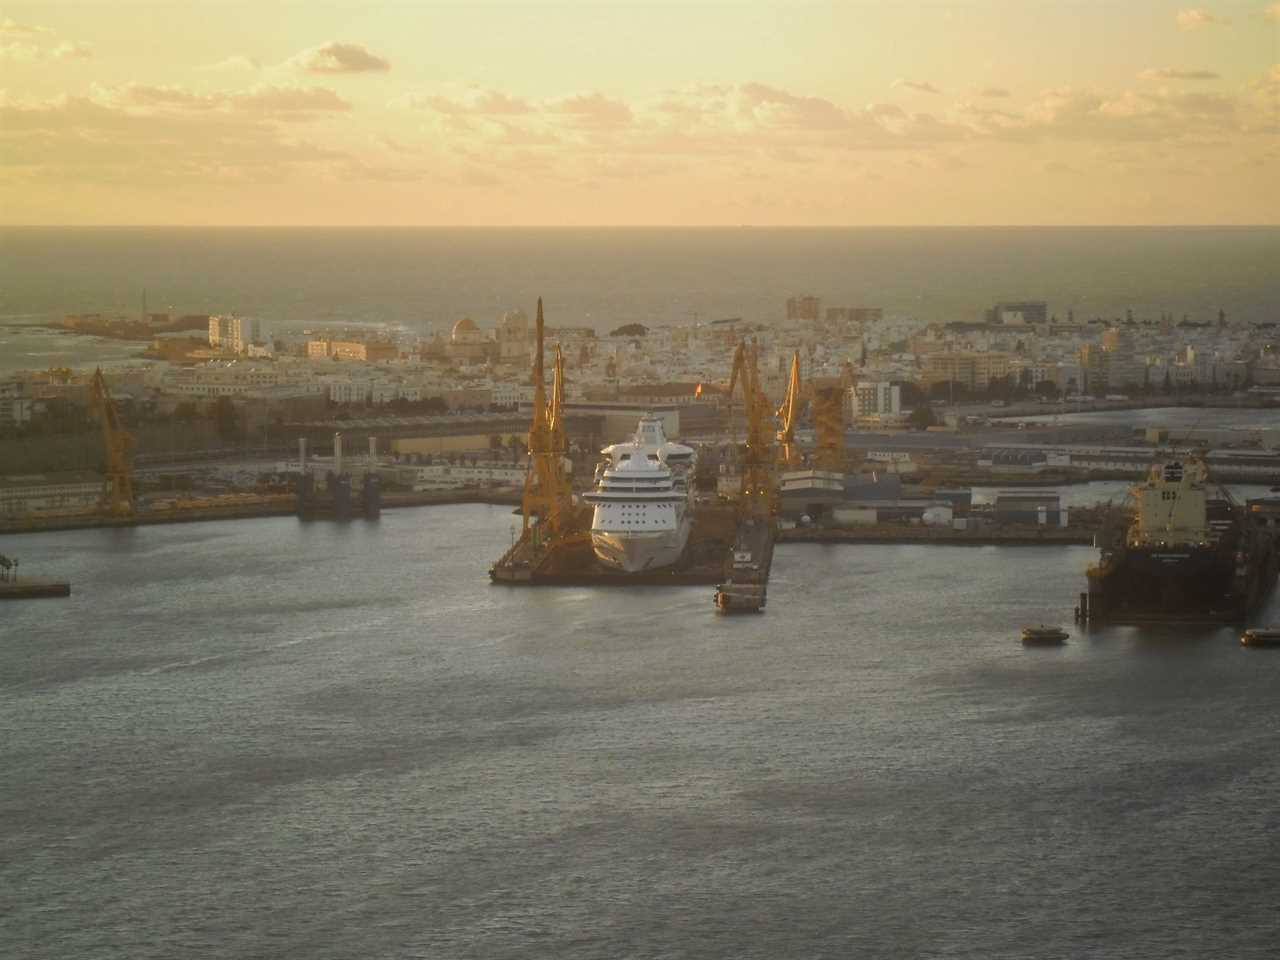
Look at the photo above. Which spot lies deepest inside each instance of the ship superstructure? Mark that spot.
(642, 501)
(1191, 552)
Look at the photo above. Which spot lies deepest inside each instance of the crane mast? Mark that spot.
(828, 421)
(757, 469)
(117, 485)
(789, 413)
(547, 499)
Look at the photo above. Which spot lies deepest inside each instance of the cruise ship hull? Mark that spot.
(637, 552)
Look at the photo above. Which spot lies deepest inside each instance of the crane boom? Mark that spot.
(789, 413)
(757, 473)
(548, 498)
(117, 485)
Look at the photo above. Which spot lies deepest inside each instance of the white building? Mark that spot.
(234, 333)
(219, 380)
(448, 476)
(371, 390)
(15, 404)
(875, 398)
(30, 494)
(511, 394)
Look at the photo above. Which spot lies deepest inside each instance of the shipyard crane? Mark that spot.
(757, 468)
(826, 397)
(117, 485)
(547, 500)
(828, 420)
(789, 413)
(555, 406)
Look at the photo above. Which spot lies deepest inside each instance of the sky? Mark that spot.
(648, 114)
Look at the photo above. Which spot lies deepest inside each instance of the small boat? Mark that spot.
(1261, 637)
(1044, 635)
(739, 598)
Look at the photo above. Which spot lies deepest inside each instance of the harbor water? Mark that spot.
(268, 738)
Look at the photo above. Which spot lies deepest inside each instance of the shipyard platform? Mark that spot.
(570, 560)
(745, 586)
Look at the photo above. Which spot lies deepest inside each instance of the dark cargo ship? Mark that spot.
(1191, 554)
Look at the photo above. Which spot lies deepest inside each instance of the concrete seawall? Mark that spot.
(941, 536)
(267, 506)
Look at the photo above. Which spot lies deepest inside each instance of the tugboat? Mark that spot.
(1044, 636)
(1261, 637)
(733, 597)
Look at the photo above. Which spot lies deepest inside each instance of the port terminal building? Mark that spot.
(1257, 466)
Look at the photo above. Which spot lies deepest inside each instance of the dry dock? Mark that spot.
(570, 561)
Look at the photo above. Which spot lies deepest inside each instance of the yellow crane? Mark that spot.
(117, 485)
(789, 414)
(828, 420)
(757, 468)
(826, 397)
(555, 406)
(547, 501)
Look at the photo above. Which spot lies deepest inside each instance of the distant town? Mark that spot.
(218, 403)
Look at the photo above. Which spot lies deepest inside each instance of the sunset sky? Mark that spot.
(975, 112)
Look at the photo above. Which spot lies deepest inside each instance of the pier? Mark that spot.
(941, 536)
(745, 586)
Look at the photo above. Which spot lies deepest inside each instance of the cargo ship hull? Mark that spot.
(1172, 584)
(1188, 555)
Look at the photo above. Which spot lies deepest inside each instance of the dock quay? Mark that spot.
(240, 507)
(33, 588)
(941, 536)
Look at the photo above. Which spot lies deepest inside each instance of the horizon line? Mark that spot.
(632, 226)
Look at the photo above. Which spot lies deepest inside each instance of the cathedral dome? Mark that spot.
(465, 331)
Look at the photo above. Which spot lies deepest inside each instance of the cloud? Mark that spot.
(1167, 73)
(288, 103)
(920, 86)
(1197, 19)
(337, 57)
(23, 43)
(17, 52)
(9, 28)
(152, 135)
(774, 107)
(476, 103)
(1272, 13)
(395, 146)
(234, 62)
(74, 51)
(993, 92)
(1068, 113)
(593, 111)
(353, 169)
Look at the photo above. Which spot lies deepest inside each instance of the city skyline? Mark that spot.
(644, 115)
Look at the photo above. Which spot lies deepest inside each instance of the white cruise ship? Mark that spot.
(643, 501)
